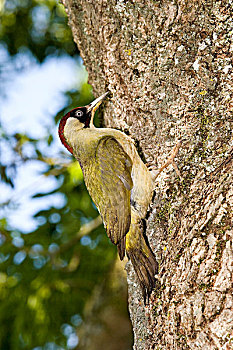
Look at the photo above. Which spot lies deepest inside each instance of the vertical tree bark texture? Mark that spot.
(168, 65)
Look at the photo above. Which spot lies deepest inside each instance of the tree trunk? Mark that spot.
(168, 65)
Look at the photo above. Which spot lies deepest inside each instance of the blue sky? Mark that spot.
(33, 95)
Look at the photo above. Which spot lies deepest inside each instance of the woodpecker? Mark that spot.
(119, 183)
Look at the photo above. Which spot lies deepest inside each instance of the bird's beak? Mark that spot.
(94, 105)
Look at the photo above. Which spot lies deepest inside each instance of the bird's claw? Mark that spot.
(169, 161)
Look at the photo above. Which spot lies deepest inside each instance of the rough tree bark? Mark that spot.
(168, 65)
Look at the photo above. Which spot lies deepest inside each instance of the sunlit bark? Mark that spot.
(168, 65)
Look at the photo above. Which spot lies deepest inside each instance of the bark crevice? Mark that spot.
(168, 65)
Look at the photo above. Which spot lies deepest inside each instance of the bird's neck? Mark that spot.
(61, 132)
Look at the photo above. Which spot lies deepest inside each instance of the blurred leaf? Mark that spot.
(4, 176)
(50, 139)
(75, 171)
(48, 276)
(41, 27)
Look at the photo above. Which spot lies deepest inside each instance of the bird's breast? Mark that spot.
(85, 144)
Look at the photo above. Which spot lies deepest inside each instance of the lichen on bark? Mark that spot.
(168, 65)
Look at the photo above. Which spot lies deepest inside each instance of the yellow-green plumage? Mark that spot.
(112, 192)
(121, 187)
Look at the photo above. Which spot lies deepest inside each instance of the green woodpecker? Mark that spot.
(119, 183)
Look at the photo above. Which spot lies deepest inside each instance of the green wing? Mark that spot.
(110, 188)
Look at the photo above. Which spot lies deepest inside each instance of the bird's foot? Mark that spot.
(170, 160)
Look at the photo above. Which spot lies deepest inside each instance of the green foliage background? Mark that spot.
(48, 277)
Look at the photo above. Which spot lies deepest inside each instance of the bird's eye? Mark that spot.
(79, 113)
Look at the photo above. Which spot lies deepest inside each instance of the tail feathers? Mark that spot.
(121, 248)
(145, 266)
